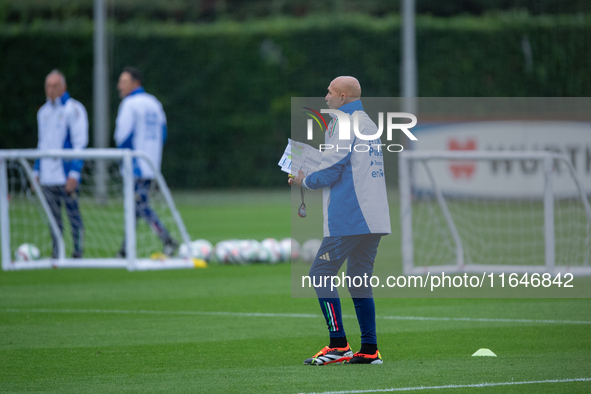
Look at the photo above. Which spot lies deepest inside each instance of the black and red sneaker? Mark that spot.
(360, 358)
(330, 356)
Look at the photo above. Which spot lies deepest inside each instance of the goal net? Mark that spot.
(478, 211)
(113, 230)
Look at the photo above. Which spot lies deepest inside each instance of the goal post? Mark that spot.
(109, 218)
(472, 211)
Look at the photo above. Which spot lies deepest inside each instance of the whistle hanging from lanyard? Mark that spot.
(302, 208)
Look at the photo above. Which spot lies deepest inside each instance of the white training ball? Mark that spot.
(264, 254)
(184, 251)
(270, 251)
(202, 249)
(222, 252)
(290, 249)
(235, 257)
(310, 249)
(27, 252)
(199, 249)
(249, 250)
(228, 252)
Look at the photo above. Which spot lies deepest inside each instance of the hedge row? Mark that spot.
(226, 87)
(209, 10)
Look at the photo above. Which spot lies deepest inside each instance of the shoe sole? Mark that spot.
(341, 360)
(378, 361)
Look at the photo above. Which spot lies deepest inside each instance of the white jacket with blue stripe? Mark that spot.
(354, 187)
(63, 124)
(141, 126)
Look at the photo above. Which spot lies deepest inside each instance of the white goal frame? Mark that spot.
(405, 184)
(130, 262)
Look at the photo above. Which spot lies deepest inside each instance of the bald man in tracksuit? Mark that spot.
(63, 124)
(356, 216)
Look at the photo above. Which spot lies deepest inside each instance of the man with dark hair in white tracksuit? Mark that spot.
(141, 126)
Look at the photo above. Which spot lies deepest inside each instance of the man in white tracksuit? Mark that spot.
(141, 126)
(356, 216)
(63, 124)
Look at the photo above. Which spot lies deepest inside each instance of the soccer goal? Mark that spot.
(107, 204)
(484, 211)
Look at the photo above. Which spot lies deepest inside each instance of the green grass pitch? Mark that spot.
(236, 329)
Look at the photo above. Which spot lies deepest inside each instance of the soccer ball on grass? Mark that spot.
(199, 249)
(27, 252)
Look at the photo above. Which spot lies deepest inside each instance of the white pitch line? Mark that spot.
(455, 386)
(293, 315)
(148, 312)
(488, 320)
